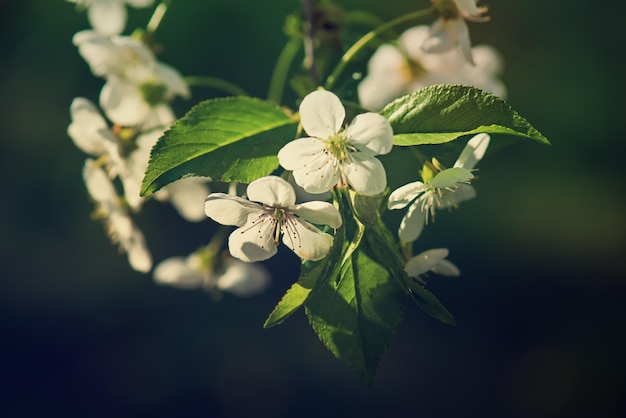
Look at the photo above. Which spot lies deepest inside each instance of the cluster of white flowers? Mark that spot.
(135, 100)
(424, 56)
(336, 157)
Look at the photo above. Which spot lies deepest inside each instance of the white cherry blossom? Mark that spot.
(108, 17)
(88, 130)
(333, 155)
(120, 226)
(433, 260)
(450, 29)
(404, 67)
(187, 196)
(444, 189)
(231, 275)
(125, 153)
(138, 86)
(261, 224)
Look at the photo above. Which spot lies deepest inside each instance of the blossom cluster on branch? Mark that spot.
(315, 177)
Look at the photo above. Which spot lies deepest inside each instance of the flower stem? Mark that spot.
(281, 70)
(366, 39)
(216, 83)
(419, 155)
(157, 16)
(309, 41)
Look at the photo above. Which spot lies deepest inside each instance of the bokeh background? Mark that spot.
(540, 305)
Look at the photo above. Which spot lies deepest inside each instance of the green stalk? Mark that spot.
(157, 16)
(366, 39)
(281, 70)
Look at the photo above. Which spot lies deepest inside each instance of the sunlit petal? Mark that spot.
(366, 175)
(272, 191)
(108, 17)
(322, 114)
(402, 196)
(308, 242)
(230, 210)
(473, 152)
(425, 261)
(243, 279)
(372, 132)
(412, 223)
(253, 242)
(176, 271)
(320, 213)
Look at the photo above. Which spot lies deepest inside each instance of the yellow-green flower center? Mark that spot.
(339, 147)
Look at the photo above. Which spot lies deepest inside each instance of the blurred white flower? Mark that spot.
(138, 86)
(89, 130)
(187, 196)
(333, 155)
(231, 275)
(431, 261)
(260, 225)
(402, 68)
(120, 226)
(440, 188)
(450, 29)
(125, 153)
(108, 17)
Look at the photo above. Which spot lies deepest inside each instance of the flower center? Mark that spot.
(339, 147)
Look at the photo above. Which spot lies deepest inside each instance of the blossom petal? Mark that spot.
(298, 153)
(243, 279)
(412, 223)
(176, 271)
(187, 196)
(443, 35)
(411, 41)
(139, 257)
(402, 196)
(463, 39)
(253, 241)
(174, 81)
(473, 152)
(123, 103)
(98, 184)
(272, 191)
(314, 169)
(320, 213)
(99, 52)
(88, 129)
(387, 78)
(108, 17)
(159, 116)
(308, 242)
(463, 193)
(378, 89)
(371, 132)
(230, 210)
(425, 261)
(366, 175)
(322, 114)
(446, 268)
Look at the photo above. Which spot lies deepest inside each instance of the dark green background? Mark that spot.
(540, 304)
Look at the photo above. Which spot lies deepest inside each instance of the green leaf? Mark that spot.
(356, 316)
(385, 251)
(227, 139)
(441, 113)
(309, 276)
